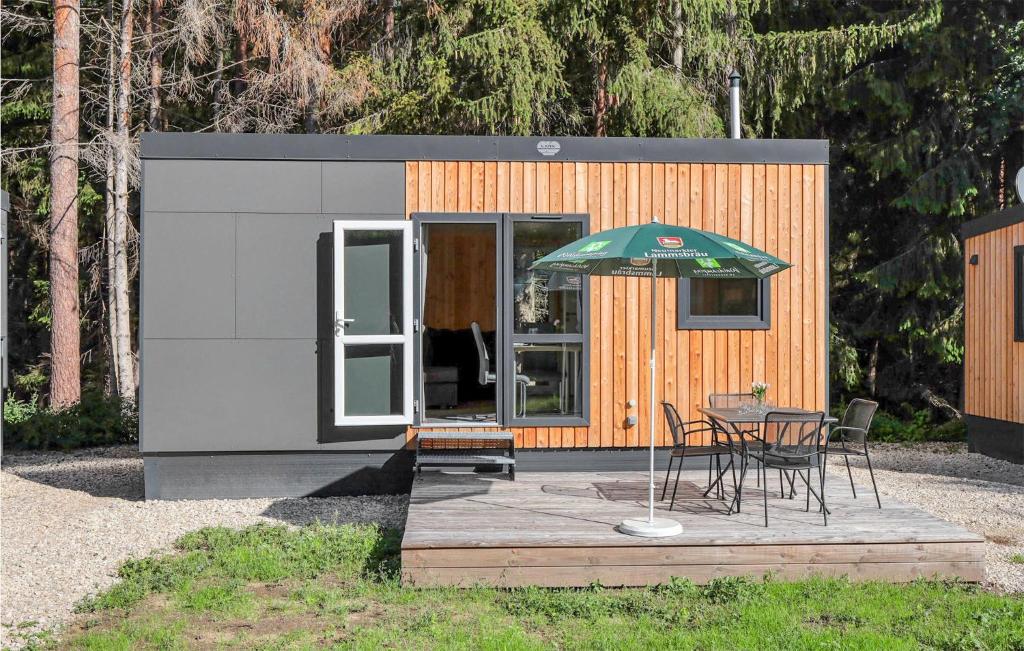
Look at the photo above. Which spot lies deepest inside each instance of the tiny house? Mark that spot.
(994, 334)
(310, 302)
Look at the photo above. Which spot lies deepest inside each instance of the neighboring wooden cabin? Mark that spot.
(994, 334)
(253, 316)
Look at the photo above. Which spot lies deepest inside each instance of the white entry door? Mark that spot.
(373, 325)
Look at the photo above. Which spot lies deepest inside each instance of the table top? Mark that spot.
(733, 415)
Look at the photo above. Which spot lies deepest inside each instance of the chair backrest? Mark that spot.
(858, 417)
(796, 433)
(481, 352)
(675, 423)
(730, 400)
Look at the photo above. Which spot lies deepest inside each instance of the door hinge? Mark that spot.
(416, 244)
(415, 325)
(415, 406)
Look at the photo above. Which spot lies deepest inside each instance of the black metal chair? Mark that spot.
(735, 401)
(792, 444)
(682, 448)
(852, 439)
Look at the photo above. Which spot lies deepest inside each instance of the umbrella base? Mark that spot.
(657, 528)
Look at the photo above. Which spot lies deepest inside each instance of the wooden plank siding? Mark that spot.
(993, 361)
(779, 208)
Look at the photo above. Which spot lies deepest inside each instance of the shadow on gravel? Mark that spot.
(390, 511)
(106, 472)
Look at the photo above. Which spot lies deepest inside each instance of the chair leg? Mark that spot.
(676, 487)
(850, 473)
(807, 506)
(738, 497)
(764, 493)
(871, 472)
(782, 486)
(664, 489)
(720, 493)
(711, 462)
(824, 509)
(757, 475)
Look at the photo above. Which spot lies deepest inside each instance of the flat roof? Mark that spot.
(993, 221)
(329, 147)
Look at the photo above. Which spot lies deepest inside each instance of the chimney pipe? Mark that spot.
(734, 104)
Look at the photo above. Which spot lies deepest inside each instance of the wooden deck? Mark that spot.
(554, 529)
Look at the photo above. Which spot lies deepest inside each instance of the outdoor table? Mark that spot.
(745, 421)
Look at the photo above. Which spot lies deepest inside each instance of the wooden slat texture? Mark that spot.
(993, 361)
(558, 529)
(779, 208)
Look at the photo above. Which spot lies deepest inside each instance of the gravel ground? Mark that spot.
(980, 494)
(69, 520)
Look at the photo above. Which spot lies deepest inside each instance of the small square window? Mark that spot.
(724, 304)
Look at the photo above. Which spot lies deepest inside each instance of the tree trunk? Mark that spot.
(65, 338)
(677, 33)
(601, 99)
(871, 379)
(156, 70)
(389, 29)
(108, 201)
(125, 359)
(219, 90)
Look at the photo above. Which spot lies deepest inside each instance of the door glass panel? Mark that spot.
(724, 297)
(548, 378)
(373, 282)
(374, 380)
(544, 302)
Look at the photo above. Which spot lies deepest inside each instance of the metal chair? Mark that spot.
(485, 376)
(792, 444)
(735, 401)
(682, 448)
(852, 439)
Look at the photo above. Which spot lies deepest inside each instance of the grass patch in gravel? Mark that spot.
(337, 587)
(1017, 559)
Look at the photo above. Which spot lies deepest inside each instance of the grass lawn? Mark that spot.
(337, 587)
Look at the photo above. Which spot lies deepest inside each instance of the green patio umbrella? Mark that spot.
(653, 251)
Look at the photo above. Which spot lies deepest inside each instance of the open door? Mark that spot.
(373, 327)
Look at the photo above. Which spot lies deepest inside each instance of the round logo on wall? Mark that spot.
(548, 147)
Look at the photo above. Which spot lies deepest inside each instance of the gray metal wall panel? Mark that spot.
(276, 475)
(276, 290)
(232, 186)
(189, 278)
(371, 188)
(243, 394)
(212, 395)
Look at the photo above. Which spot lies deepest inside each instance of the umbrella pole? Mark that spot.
(651, 416)
(652, 528)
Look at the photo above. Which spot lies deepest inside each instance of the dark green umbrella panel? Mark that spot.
(680, 252)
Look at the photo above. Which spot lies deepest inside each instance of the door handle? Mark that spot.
(340, 323)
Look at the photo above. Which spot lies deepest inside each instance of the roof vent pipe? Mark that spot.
(734, 104)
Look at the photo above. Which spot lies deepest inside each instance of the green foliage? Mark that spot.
(339, 603)
(96, 420)
(915, 426)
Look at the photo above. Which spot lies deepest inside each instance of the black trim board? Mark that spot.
(993, 222)
(1000, 439)
(328, 147)
(318, 473)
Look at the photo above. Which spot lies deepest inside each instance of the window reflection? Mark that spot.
(548, 379)
(544, 302)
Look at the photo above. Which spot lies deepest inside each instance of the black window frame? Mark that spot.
(685, 320)
(1018, 293)
(511, 338)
